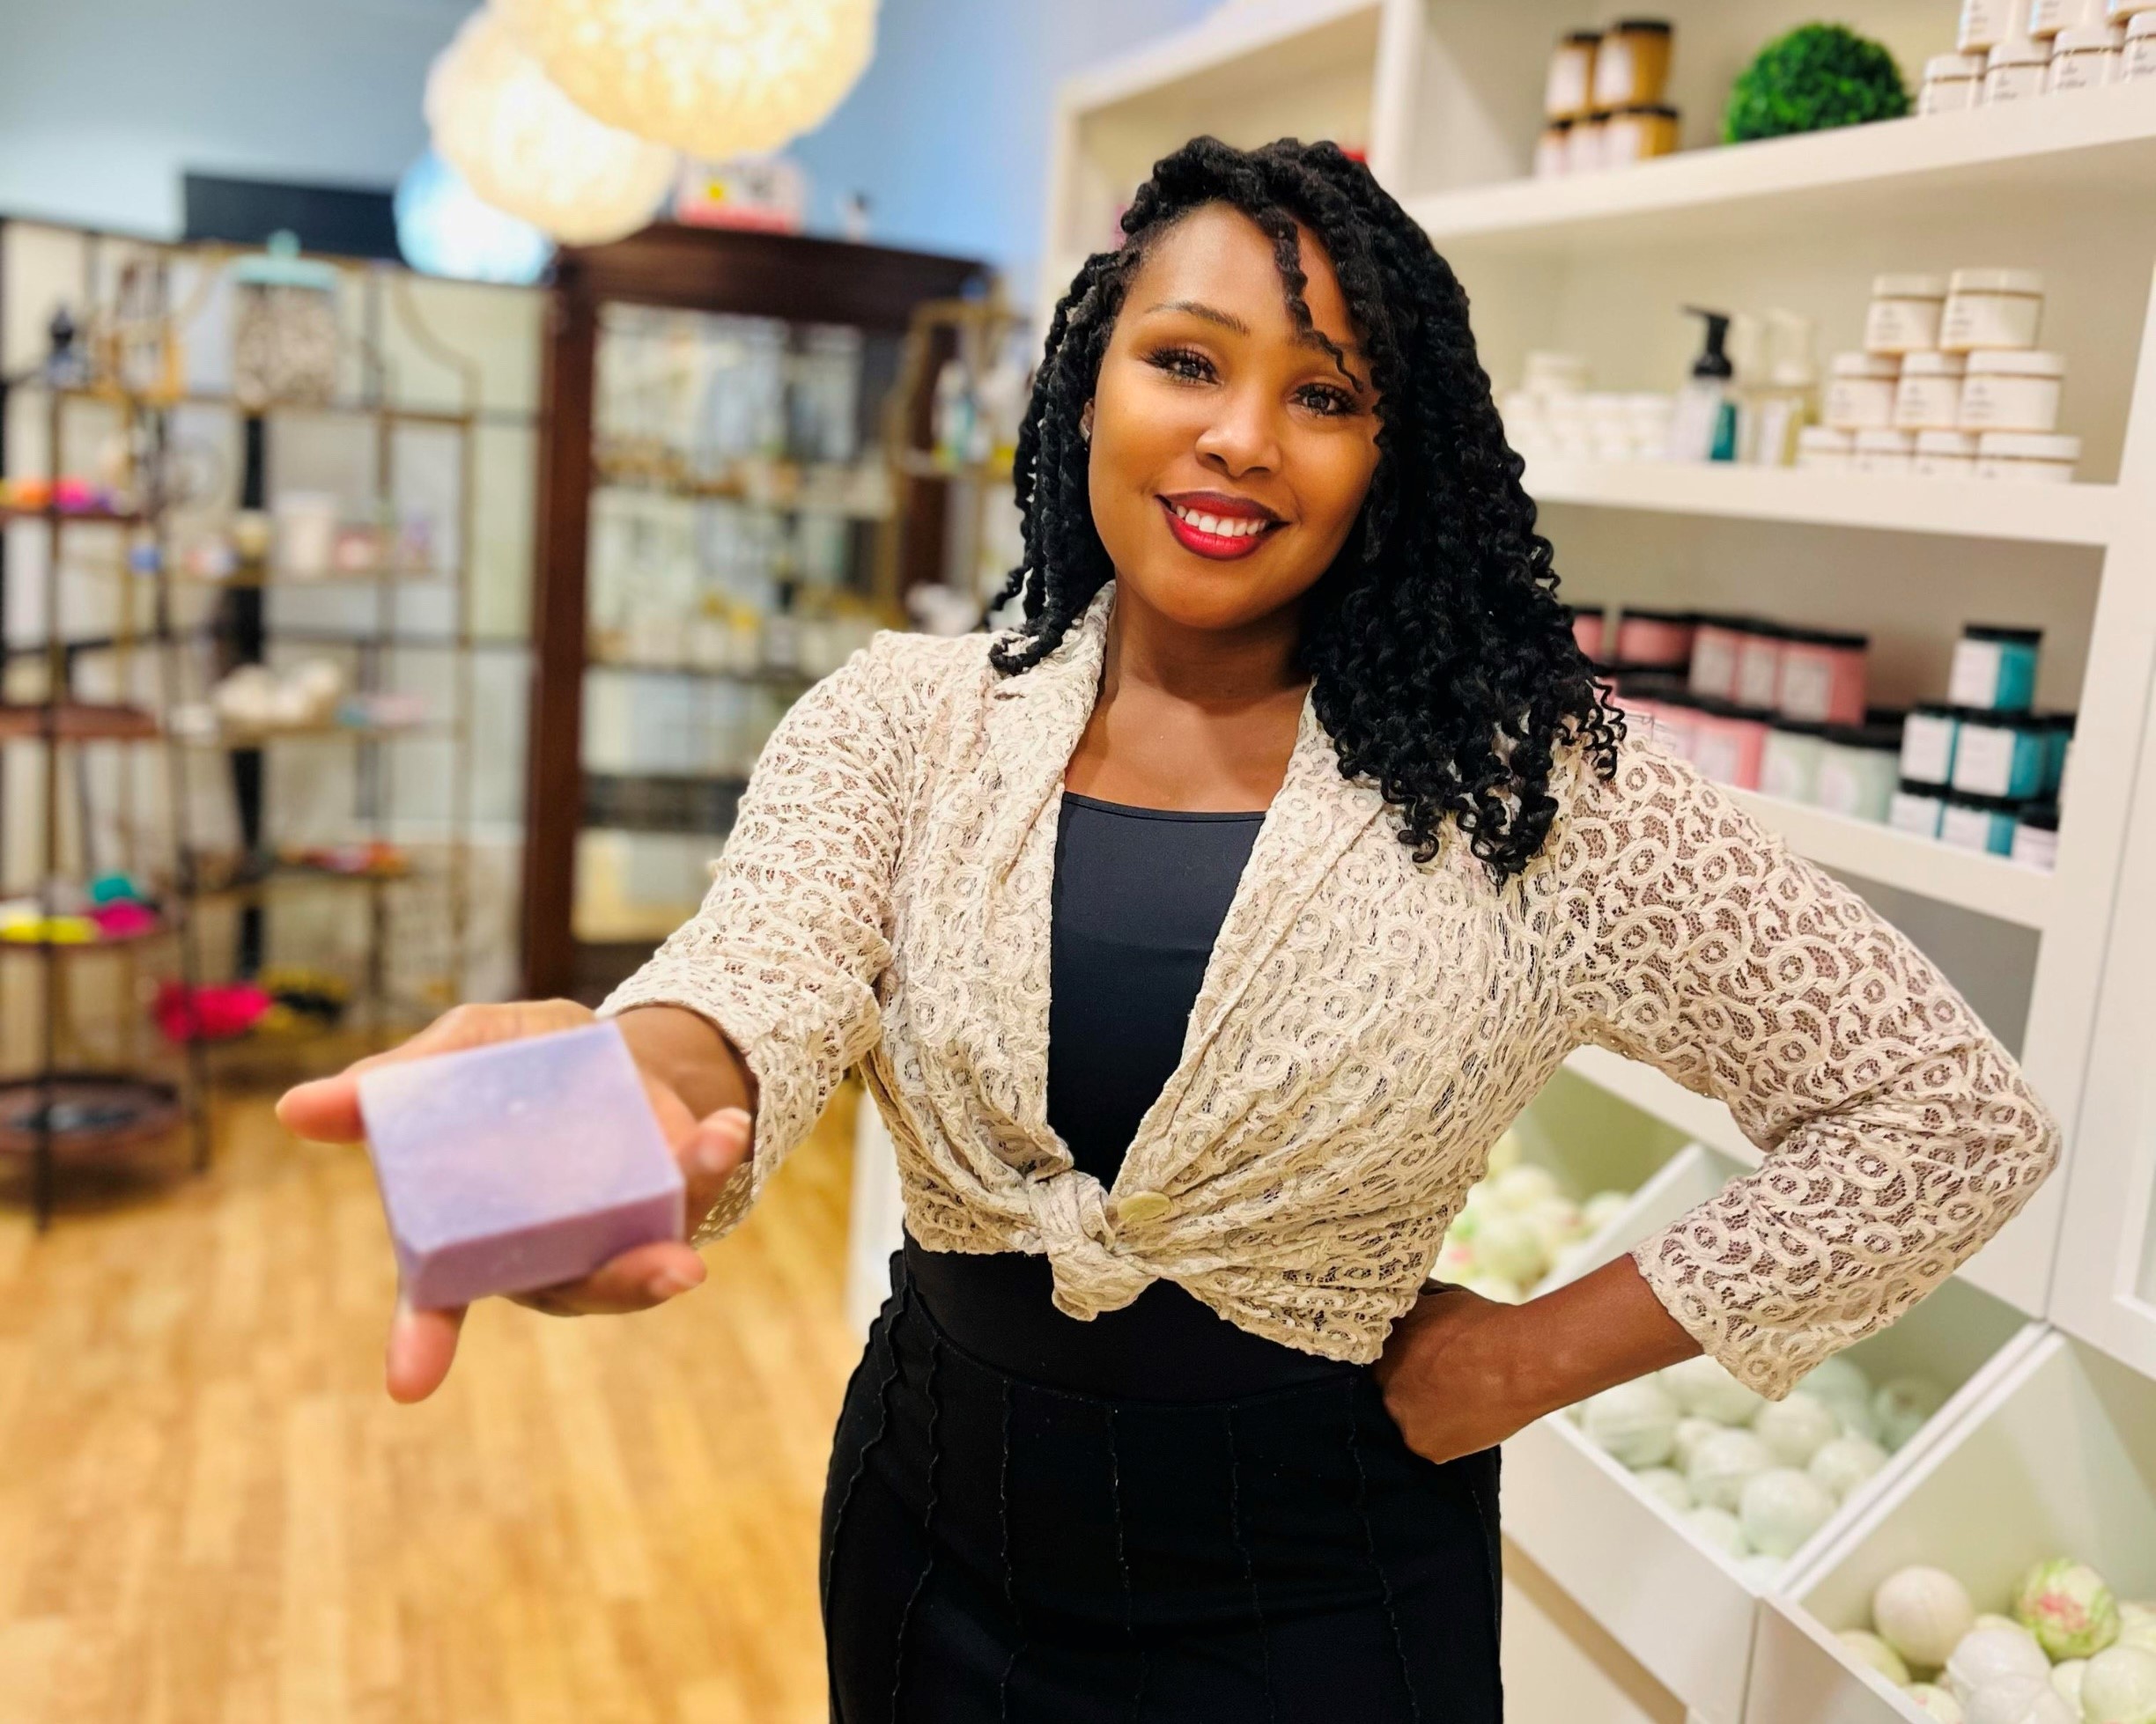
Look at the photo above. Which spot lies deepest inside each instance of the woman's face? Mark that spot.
(1229, 455)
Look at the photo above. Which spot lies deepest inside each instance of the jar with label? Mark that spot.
(1716, 642)
(2036, 836)
(1953, 84)
(1978, 822)
(1584, 144)
(1991, 308)
(2001, 754)
(2027, 457)
(1905, 312)
(1631, 68)
(2140, 58)
(1758, 664)
(2015, 71)
(1987, 23)
(1994, 668)
(2129, 9)
(1790, 764)
(1636, 133)
(1928, 737)
(1885, 453)
(2012, 389)
(2048, 18)
(1731, 745)
(1662, 638)
(1823, 449)
(1569, 89)
(2058, 728)
(1822, 679)
(1860, 395)
(1944, 454)
(1857, 770)
(1553, 150)
(1915, 809)
(2086, 57)
(1929, 395)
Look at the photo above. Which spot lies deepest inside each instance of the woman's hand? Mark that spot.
(423, 1343)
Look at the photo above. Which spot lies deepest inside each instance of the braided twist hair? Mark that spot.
(1441, 663)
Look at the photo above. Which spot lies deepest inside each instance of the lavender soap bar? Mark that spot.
(513, 1167)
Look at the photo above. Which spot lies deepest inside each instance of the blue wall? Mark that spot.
(104, 102)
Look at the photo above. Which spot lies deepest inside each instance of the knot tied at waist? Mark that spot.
(1070, 1211)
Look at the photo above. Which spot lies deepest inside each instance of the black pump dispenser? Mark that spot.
(1713, 360)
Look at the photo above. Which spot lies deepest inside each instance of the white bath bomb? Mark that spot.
(1635, 1423)
(2067, 1606)
(1555, 1222)
(2119, 1687)
(1935, 1702)
(1901, 1407)
(1867, 1650)
(1781, 1508)
(1762, 1570)
(1838, 1381)
(1704, 1389)
(1666, 1486)
(2137, 1623)
(1506, 1247)
(1521, 1187)
(1719, 1527)
(1691, 1433)
(2066, 1677)
(2017, 1701)
(1795, 1429)
(1722, 1464)
(1858, 1419)
(1991, 1657)
(1923, 1613)
(1603, 1208)
(1846, 1463)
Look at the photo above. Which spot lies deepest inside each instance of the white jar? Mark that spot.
(1991, 308)
(2027, 457)
(1861, 395)
(2140, 57)
(2086, 57)
(2119, 9)
(1987, 23)
(1944, 454)
(1953, 82)
(1905, 313)
(2016, 71)
(1823, 449)
(1929, 395)
(2014, 389)
(1884, 453)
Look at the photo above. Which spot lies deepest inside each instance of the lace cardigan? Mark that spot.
(1367, 1026)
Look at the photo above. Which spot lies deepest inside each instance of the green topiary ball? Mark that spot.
(1817, 77)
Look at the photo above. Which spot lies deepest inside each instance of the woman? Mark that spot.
(1196, 939)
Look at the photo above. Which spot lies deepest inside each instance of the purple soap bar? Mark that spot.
(513, 1167)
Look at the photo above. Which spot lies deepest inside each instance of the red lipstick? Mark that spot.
(1218, 525)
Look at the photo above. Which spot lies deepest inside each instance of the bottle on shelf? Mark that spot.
(1704, 427)
(1788, 401)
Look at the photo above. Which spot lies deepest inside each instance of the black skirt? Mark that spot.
(997, 1549)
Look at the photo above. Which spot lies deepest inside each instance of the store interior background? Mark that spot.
(209, 1509)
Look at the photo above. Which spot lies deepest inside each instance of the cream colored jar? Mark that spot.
(1570, 86)
(1884, 454)
(1632, 64)
(1905, 313)
(2015, 71)
(2027, 457)
(2012, 389)
(1584, 144)
(1953, 82)
(1944, 454)
(1861, 394)
(1637, 133)
(2140, 60)
(1823, 449)
(2086, 57)
(1553, 150)
(1929, 395)
(1987, 308)
(1985, 24)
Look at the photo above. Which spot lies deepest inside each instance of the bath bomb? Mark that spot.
(2119, 1687)
(1723, 1464)
(1846, 1463)
(1521, 1187)
(1935, 1702)
(1901, 1406)
(2137, 1625)
(1691, 1433)
(1838, 1381)
(2068, 1608)
(1635, 1423)
(1506, 1247)
(1992, 1658)
(516, 1165)
(1718, 1527)
(1603, 1208)
(2066, 1677)
(1555, 1222)
(1705, 1390)
(1796, 1429)
(1867, 1650)
(2017, 1701)
(1666, 1486)
(1780, 1509)
(1923, 1613)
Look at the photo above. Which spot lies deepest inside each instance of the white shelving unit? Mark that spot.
(1444, 97)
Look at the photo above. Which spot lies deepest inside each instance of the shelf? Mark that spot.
(413, 416)
(78, 949)
(923, 464)
(1255, 39)
(1988, 885)
(2094, 144)
(98, 1110)
(1653, 1092)
(763, 678)
(260, 739)
(78, 721)
(87, 517)
(795, 496)
(1958, 508)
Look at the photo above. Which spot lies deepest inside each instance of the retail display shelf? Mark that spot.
(260, 739)
(89, 1111)
(763, 675)
(1969, 509)
(1654, 1092)
(1989, 885)
(77, 721)
(2103, 140)
(215, 398)
(85, 517)
(83, 949)
(1244, 41)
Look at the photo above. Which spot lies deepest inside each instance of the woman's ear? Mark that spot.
(1085, 424)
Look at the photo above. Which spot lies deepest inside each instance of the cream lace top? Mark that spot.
(1367, 1026)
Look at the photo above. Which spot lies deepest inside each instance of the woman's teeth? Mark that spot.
(1223, 527)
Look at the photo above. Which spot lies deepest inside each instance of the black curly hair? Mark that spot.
(1441, 662)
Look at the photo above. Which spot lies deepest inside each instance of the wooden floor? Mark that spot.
(210, 1511)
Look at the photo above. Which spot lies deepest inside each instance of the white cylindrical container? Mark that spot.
(1929, 395)
(1991, 308)
(1861, 395)
(2121, 9)
(1823, 449)
(2028, 457)
(1584, 144)
(1952, 83)
(2015, 70)
(2140, 57)
(2012, 389)
(1884, 453)
(1987, 23)
(1944, 454)
(2048, 18)
(1905, 313)
(2086, 57)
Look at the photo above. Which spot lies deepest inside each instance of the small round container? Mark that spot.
(1885, 454)
(1916, 808)
(1587, 630)
(2129, 9)
(1929, 395)
(1569, 89)
(2016, 71)
(1631, 67)
(1638, 134)
(1978, 822)
(1584, 144)
(1929, 735)
(2027, 457)
(2086, 57)
(2036, 836)
(1860, 395)
(1822, 680)
(2140, 56)
(1987, 23)
(1790, 764)
(2048, 18)
(2058, 728)
(1989, 308)
(2001, 754)
(1731, 744)
(1905, 312)
(1994, 667)
(1553, 150)
(2013, 389)
(1662, 638)
(1857, 770)
(1944, 454)
(1759, 666)
(1824, 449)
(1953, 84)
(1717, 642)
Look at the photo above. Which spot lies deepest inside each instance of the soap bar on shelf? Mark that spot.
(507, 1168)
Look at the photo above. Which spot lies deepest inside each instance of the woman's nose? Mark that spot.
(1243, 436)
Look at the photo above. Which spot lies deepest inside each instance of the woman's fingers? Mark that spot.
(421, 1344)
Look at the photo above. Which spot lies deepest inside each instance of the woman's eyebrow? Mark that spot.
(1230, 321)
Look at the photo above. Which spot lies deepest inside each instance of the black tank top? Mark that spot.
(1138, 898)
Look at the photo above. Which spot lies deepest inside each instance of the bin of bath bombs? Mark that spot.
(507, 1168)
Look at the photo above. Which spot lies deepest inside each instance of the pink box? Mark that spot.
(1822, 677)
(516, 1165)
(1659, 637)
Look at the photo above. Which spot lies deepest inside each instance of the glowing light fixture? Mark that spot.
(714, 78)
(528, 150)
(445, 228)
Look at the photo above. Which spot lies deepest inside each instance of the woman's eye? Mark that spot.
(1182, 362)
(1323, 398)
